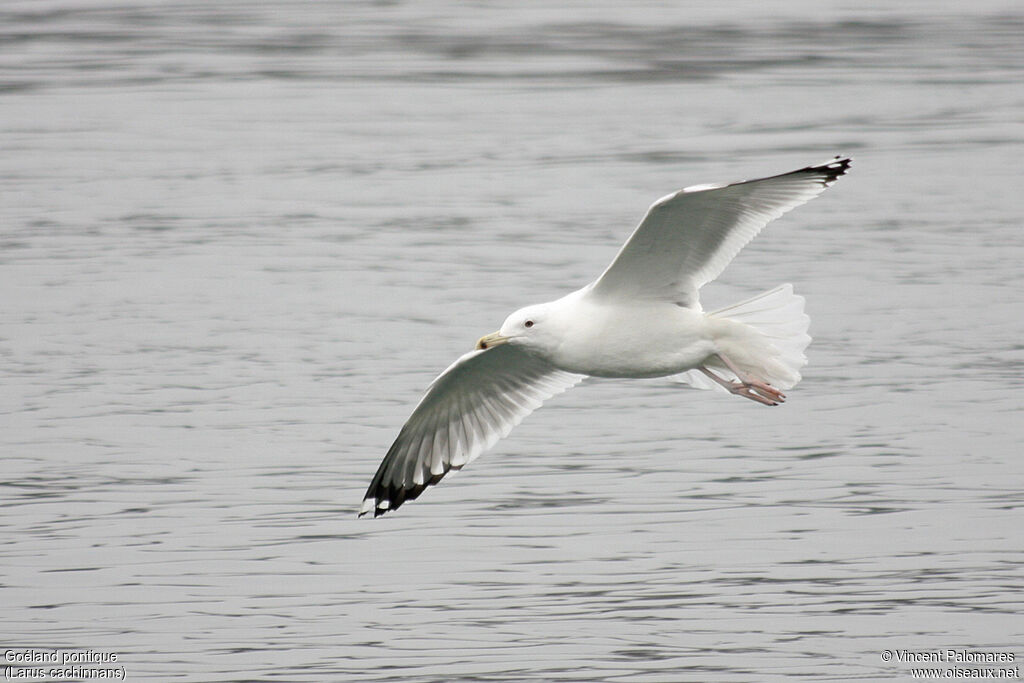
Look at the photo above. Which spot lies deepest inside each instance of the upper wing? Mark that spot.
(472, 404)
(688, 238)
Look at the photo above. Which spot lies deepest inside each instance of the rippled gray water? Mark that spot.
(238, 239)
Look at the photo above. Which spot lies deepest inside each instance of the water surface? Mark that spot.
(237, 241)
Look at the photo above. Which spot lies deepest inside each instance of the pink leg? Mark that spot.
(748, 387)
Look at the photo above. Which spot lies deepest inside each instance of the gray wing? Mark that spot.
(472, 404)
(688, 238)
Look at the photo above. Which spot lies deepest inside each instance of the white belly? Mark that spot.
(643, 340)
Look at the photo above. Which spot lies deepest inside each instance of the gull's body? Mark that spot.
(646, 339)
(641, 318)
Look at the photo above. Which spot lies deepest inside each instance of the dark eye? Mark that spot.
(528, 323)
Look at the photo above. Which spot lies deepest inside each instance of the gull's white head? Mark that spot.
(532, 326)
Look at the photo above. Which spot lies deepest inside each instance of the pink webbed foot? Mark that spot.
(748, 387)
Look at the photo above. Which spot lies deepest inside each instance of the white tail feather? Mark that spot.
(768, 343)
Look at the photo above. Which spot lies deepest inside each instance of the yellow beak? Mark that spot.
(489, 340)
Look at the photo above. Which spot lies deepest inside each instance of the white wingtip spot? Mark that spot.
(837, 168)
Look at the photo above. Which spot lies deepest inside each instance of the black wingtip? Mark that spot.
(395, 495)
(831, 170)
(377, 511)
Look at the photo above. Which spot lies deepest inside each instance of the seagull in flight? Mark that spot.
(641, 318)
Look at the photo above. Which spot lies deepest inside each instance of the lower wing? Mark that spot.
(472, 404)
